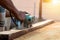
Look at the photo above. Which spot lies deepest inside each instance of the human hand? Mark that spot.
(22, 16)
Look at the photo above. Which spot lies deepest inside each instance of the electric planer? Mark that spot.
(27, 23)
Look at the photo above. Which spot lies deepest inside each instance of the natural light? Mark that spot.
(54, 2)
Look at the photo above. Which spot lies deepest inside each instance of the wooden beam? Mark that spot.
(12, 34)
(40, 10)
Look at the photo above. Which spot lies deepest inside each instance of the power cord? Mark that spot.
(13, 19)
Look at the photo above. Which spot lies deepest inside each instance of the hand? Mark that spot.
(22, 16)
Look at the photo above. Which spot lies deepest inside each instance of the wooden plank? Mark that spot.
(12, 34)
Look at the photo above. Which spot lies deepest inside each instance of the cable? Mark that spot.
(13, 19)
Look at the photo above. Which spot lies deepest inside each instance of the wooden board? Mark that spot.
(12, 34)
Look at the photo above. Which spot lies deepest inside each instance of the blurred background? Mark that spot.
(50, 8)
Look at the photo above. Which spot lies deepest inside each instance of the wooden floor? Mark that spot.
(49, 32)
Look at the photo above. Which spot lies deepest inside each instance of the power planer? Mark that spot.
(27, 23)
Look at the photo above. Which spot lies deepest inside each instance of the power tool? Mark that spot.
(27, 23)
